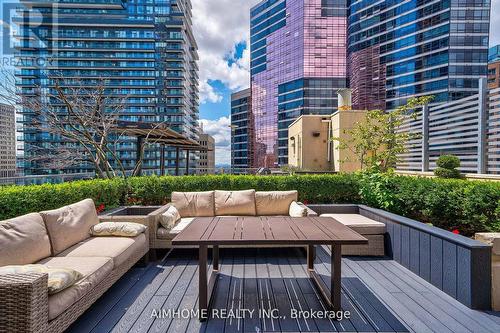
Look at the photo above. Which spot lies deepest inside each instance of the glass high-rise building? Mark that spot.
(241, 130)
(298, 62)
(144, 49)
(403, 49)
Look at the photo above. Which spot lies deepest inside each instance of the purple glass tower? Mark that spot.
(298, 61)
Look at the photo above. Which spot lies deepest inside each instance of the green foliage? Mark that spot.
(377, 190)
(153, 190)
(376, 141)
(19, 200)
(447, 173)
(312, 188)
(448, 162)
(447, 167)
(469, 206)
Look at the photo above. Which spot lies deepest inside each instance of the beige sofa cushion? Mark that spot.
(69, 225)
(94, 270)
(359, 223)
(274, 203)
(183, 223)
(23, 240)
(194, 204)
(236, 203)
(120, 249)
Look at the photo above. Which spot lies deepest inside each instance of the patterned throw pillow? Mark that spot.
(297, 210)
(170, 217)
(58, 278)
(120, 229)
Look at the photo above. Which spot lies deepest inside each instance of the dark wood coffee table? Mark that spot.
(308, 231)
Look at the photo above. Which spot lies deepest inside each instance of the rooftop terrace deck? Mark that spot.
(381, 295)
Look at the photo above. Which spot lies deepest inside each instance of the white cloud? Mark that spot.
(219, 26)
(208, 93)
(221, 132)
(495, 23)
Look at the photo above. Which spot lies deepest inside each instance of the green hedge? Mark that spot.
(451, 204)
(312, 188)
(19, 200)
(468, 206)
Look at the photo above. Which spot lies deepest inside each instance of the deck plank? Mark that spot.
(105, 304)
(133, 295)
(381, 295)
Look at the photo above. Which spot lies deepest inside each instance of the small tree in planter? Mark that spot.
(377, 141)
(447, 167)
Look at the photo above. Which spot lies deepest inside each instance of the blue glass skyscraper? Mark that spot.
(144, 49)
(402, 49)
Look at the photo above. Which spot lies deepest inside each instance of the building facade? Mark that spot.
(298, 61)
(403, 49)
(206, 162)
(494, 54)
(310, 146)
(7, 141)
(494, 75)
(146, 52)
(494, 68)
(241, 130)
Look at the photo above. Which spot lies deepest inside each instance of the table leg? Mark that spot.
(203, 286)
(336, 281)
(215, 255)
(310, 257)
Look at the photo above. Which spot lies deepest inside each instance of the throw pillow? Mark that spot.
(119, 229)
(170, 217)
(297, 210)
(58, 278)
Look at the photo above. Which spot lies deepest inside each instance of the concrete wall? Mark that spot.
(308, 143)
(309, 138)
(345, 160)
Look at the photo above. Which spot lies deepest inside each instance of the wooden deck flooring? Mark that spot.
(381, 295)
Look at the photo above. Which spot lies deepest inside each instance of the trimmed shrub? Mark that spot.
(19, 200)
(447, 167)
(469, 206)
(312, 188)
(448, 162)
(450, 204)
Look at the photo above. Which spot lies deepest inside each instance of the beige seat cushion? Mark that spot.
(359, 223)
(236, 203)
(120, 249)
(183, 223)
(23, 240)
(69, 225)
(274, 203)
(94, 270)
(194, 204)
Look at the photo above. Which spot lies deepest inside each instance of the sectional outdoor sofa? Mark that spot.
(253, 203)
(60, 239)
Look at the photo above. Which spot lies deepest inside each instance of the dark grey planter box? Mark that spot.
(457, 265)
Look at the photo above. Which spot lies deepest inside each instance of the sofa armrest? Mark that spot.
(24, 302)
(156, 215)
(123, 219)
(310, 212)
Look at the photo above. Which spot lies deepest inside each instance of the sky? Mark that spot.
(222, 30)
